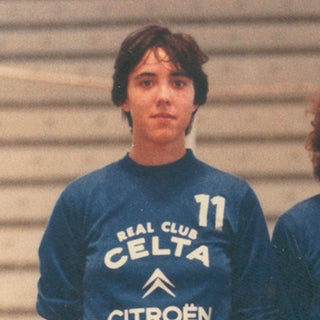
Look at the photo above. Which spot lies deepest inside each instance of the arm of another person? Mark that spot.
(254, 287)
(295, 279)
(61, 266)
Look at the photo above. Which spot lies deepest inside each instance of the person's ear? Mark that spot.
(125, 107)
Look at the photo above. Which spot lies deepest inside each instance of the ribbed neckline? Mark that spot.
(183, 166)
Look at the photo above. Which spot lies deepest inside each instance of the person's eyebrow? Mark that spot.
(144, 74)
(151, 74)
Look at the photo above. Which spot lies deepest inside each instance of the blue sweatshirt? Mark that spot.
(296, 240)
(172, 242)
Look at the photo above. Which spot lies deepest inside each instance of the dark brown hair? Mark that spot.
(313, 138)
(181, 49)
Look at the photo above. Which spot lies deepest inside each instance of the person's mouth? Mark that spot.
(163, 115)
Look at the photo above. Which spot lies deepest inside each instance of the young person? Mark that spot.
(296, 240)
(157, 234)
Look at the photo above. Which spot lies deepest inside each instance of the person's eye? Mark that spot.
(179, 83)
(146, 83)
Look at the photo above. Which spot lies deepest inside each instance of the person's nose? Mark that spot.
(164, 95)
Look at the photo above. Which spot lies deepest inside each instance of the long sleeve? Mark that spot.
(254, 290)
(61, 267)
(295, 302)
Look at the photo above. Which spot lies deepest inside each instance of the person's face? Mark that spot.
(160, 99)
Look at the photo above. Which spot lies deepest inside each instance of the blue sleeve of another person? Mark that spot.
(296, 244)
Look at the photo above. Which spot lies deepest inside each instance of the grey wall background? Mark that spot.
(57, 121)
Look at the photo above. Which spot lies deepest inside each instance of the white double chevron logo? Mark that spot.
(158, 280)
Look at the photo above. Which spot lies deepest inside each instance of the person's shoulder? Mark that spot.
(228, 183)
(92, 180)
(304, 214)
(304, 208)
(223, 177)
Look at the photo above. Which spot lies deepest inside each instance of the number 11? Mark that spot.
(218, 201)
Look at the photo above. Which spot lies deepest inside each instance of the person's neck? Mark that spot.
(156, 155)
